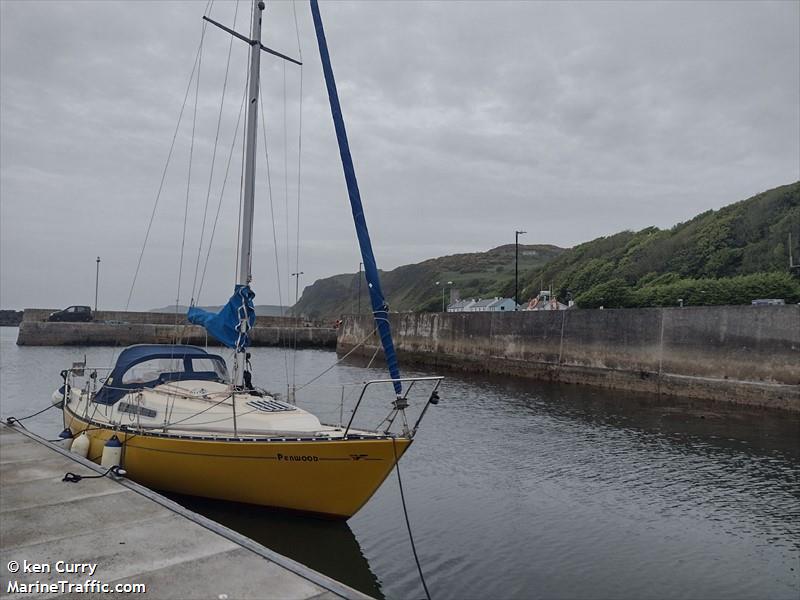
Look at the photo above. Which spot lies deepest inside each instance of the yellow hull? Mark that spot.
(334, 478)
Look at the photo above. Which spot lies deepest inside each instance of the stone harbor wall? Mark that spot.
(743, 354)
(10, 318)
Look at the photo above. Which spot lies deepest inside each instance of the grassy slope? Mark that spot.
(413, 287)
(745, 238)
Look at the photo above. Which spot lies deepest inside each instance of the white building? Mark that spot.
(459, 305)
(482, 305)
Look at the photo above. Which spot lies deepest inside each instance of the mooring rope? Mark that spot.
(70, 477)
(408, 523)
(12, 420)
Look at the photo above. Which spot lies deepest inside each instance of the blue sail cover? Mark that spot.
(224, 325)
(379, 307)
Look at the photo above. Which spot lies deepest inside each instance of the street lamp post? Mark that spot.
(96, 283)
(443, 284)
(359, 287)
(296, 286)
(516, 267)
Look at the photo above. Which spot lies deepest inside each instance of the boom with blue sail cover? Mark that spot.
(379, 307)
(226, 326)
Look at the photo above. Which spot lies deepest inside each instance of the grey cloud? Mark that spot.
(466, 120)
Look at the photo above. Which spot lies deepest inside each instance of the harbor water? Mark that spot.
(519, 489)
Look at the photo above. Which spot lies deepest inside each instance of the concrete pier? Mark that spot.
(118, 533)
(115, 328)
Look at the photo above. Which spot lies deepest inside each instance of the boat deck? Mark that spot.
(132, 534)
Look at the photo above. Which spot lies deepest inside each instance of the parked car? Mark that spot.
(768, 302)
(72, 313)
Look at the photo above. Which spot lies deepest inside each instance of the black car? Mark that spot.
(72, 313)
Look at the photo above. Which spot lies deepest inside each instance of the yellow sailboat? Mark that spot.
(189, 430)
(175, 420)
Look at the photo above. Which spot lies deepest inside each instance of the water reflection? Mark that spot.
(326, 546)
(520, 489)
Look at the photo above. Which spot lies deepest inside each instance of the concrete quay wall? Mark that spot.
(153, 318)
(10, 318)
(133, 535)
(42, 333)
(742, 354)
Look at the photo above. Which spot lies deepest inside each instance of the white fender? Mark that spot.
(112, 453)
(80, 445)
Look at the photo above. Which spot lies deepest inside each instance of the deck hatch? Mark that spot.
(270, 405)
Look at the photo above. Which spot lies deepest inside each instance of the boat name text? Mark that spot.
(298, 457)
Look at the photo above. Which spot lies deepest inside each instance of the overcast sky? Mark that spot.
(570, 120)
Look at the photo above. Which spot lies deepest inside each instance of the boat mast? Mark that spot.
(244, 274)
(220, 324)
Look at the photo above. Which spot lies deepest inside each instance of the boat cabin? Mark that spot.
(150, 365)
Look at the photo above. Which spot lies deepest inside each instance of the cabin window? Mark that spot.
(208, 365)
(150, 370)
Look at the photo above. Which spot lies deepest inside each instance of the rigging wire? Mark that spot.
(297, 33)
(214, 155)
(274, 230)
(173, 423)
(338, 362)
(289, 390)
(222, 193)
(286, 185)
(189, 179)
(195, 64)
(163, 177)
(299, 159)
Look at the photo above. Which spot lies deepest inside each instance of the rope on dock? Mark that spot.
(116, 471)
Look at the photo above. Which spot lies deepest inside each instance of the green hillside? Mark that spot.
(413, 287)
(728, 256)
